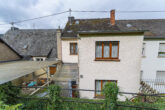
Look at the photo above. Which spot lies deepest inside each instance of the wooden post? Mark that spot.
(48, 75)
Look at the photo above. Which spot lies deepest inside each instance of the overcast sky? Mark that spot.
(13, 10)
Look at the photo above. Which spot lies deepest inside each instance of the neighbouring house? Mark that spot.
(33, 44)
(7, 53)
(105, 50)
(153, 51)
(38, 48)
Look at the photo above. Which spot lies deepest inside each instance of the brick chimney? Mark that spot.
(112, 19)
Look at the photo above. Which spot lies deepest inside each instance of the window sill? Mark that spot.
(73, 54)
(143, 56)
(117, 60)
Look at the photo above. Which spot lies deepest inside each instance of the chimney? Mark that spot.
(112, 19)
(71, 19)
(14, 28)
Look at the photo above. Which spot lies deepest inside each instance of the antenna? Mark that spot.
(12, 26)
(70, 12)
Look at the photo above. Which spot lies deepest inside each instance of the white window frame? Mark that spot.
(39, 58)
(160, 52)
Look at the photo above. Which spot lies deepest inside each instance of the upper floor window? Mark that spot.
(143, 49)
(107, 49)
(161, 49)
(73, 48)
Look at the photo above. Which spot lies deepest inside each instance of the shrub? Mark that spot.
(111, 91)
(55, 98)
(8, 93)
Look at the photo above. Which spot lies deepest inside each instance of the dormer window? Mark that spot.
(39, 58)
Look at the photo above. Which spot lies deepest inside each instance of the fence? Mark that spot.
(156, 84)
(42, 103)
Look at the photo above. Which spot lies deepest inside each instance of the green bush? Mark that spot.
(55, 98)
(9, 107)
(8, 93)
(111, 91)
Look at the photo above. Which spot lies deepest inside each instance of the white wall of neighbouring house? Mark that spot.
(152, 62)
(126, 71)
(66, 56)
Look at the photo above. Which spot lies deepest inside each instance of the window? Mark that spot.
(107, 50)
(143, 49)
(99, 84)
(160, 77)
(161, 49)
(73, 48)
(39, 58)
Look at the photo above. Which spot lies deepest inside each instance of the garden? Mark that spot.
(12, 99)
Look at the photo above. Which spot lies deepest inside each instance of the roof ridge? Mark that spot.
(117, 19)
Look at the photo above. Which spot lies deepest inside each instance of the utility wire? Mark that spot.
(91, 11)
(39, 17)
(20, 21)
(140, 11)
(79, 11)
(120, 11)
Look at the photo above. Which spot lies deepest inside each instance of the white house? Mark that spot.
(109, 57)
(105, 50)
(153, 63)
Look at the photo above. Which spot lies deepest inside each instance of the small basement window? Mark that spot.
(161, 50)
(73, 49)
(99, 84)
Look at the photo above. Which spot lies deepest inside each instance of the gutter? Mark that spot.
(110, 32)
(10, 61)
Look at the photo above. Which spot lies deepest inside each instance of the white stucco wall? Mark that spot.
(152, 63)
(126, 71)
(66, 57)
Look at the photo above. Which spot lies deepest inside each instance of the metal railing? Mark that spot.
(156, 84)
(145, 96)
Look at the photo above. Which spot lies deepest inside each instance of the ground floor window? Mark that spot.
(99, 84)
(160, 75)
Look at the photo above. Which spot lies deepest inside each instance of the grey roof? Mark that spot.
(154, 28)
(33, 42)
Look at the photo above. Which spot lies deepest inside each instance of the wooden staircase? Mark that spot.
(146, 88)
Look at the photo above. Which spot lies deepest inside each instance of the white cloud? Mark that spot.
(13, 10)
